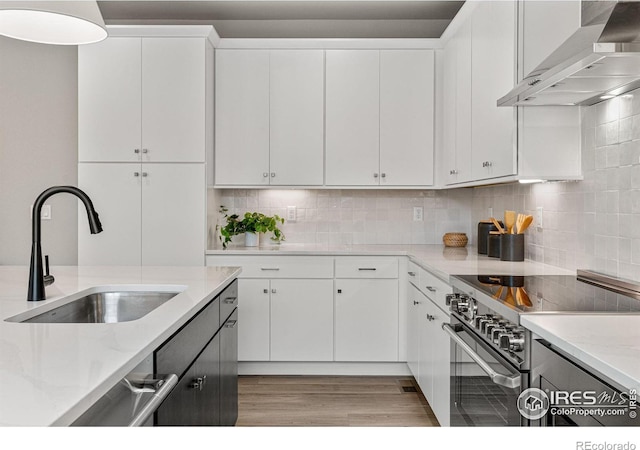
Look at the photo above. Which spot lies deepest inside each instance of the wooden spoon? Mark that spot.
(519, 220)
(497, 224)
(509, 221)
(509, 298)
(528, 220)
(523, 297)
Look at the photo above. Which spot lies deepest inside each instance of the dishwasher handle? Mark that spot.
(497, 378)
(166, 386)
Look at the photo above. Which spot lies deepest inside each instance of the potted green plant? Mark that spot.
(251, 224)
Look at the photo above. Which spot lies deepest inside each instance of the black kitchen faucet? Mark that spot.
(37, 279)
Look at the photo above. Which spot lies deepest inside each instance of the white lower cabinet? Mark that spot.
(366, 322)
(285, 320)
(253, 320)
(301, 320)
(428, 346)
(414, 297)
(434, 368)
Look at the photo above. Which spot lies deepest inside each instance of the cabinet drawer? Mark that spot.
(278, 267)
(181, 350)
(413, 274)
(434, 288)
(228, 301)
(348, 267)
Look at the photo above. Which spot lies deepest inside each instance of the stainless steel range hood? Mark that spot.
(599, 61)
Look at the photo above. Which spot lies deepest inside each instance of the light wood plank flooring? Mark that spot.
(334, 401)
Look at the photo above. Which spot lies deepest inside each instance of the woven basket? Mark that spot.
(455, 239)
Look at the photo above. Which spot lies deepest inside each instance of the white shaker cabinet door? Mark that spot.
(301, 320)
(173, 214)
(366, 320)
(253, 319)
(352, 117)
(242, 117)
(109, 92)
(173, 100)
(296, 117)
(115, 192)
(407, 80)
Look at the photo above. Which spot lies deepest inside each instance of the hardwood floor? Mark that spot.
(332, 401)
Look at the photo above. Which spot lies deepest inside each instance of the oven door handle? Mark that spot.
(497, 378)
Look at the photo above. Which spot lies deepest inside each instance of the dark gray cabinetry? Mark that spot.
(229, 371)
(204, 354)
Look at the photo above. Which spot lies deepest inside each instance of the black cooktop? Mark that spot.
(552, 293)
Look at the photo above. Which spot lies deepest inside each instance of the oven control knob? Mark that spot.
(514, 341)
(496, 332)
(480, 320)
(449, 298)
(495, 324)
(484, 324)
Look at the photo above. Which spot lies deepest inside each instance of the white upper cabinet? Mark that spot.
(483, 60)
(457, 106)
(142, 99)
(493, 56)
(173, 100)
(406, 117)
(242, 117)
(296, 117)
(352, 117)
(379, 117)
(109, 93)
(269, 117)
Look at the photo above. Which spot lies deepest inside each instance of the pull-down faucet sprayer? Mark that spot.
(37, 279)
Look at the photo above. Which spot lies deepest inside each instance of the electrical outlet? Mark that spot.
(539, 217)
(45, 212)
(418, 214)
(490, 212)
(292, 213)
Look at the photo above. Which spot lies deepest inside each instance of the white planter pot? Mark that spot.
(250, 240)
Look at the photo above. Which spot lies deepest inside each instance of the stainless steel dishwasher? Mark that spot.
(132, 401)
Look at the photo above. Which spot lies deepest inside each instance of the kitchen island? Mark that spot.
(51, 373)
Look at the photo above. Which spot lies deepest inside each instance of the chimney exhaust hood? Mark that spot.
(599, 61)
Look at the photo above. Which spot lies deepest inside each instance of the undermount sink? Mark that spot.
(108, 306)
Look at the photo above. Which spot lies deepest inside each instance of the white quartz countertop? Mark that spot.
(440, 260)
(610, 344)
(51, 373)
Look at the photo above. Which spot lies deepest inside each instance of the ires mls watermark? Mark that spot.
(534, 403)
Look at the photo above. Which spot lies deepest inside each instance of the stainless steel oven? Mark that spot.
(492, 353)
(484, 384)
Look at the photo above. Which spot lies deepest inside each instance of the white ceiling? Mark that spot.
(292, 18)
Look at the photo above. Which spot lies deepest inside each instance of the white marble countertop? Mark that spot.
(610, 344)
(51, 373)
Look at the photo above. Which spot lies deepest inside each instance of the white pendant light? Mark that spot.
(52, 22)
